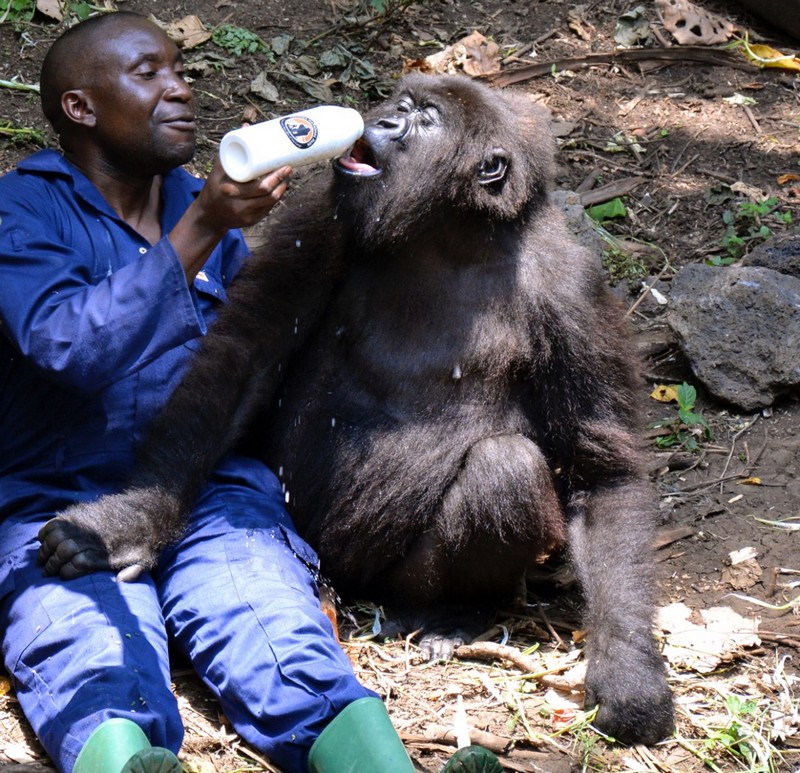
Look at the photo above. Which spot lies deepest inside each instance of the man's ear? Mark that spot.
(77, 107)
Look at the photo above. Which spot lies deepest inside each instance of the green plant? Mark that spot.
(237, 40)
(743, 736)
(623, 265)
(687, 428)
(21, 134)
(79, 10)
(749, 223)
(18, 12)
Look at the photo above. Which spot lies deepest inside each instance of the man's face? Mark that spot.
(142, 104)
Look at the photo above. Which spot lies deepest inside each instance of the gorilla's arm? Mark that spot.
(273, 304)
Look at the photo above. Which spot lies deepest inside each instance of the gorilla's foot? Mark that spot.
(120, 746)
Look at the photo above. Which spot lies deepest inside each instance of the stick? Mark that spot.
(691, 54)
(490, 650)
(17, 86)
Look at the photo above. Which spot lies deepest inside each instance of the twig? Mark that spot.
(647, 290)
(436, 734)
(490, 650)
(610, 191)
(682, 54)
(780, 638)
(750, 117)
(556, 638)
(744, 429)
(16, 85)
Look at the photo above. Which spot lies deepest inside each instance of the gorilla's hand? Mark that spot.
(631, 689)
(122, 533)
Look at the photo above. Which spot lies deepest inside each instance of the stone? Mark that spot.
(739, 327)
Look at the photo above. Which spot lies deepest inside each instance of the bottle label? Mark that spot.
(301, 131)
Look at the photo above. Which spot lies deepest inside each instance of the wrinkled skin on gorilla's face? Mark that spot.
(428, 150)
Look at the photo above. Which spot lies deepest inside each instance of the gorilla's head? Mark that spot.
(444, 149)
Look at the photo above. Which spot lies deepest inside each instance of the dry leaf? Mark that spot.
(18, 753)
(665, 393)
(703, 647)
(789, 177)
(691, 25)
(577, 22)
(51, 9)
(751, 481)
(188, 32)
(264, 88)
(743, 571)
(473, 55)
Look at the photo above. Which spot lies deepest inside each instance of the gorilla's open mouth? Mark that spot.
(361, 161)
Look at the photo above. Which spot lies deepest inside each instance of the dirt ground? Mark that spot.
(682, 133)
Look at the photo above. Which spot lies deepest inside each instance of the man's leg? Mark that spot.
(239, 596)
(82, 651)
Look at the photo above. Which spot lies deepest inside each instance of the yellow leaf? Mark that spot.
(5, 686)
(766, 56)
(751, 481)
(665, 393)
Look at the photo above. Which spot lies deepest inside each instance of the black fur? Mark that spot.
(442, 380)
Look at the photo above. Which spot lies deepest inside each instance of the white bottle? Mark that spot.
(298, 139)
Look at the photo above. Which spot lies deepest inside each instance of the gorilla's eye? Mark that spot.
(493, 168)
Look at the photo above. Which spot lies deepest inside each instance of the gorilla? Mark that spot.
(441, 378)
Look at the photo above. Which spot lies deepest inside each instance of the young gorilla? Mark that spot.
(442, 381)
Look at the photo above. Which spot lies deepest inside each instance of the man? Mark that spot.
(113, 262)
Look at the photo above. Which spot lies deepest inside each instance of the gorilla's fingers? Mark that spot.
(51, 535)
(68, 551)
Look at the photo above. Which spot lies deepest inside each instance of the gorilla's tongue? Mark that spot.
(358, 167)
(360, 161)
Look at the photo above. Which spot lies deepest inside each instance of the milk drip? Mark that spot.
(298, 139)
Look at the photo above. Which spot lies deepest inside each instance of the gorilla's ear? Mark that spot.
(493, 168)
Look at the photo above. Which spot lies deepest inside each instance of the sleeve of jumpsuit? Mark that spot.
(86, 326)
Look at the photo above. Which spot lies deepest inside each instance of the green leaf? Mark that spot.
(608, 210)
(687, 396)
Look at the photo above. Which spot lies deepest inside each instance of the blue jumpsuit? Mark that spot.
(96, 327)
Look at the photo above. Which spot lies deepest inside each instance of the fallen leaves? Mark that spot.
(691, 25)
(188, 32)
(473, 55)
(743, 570)
(718, 638)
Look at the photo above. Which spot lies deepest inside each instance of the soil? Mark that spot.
(692, 145)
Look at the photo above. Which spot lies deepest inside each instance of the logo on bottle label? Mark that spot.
(300, 130)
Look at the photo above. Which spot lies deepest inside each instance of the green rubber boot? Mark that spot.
(360, 739)
(473, 759)
(120, 746)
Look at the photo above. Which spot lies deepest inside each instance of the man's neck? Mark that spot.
(137, 200)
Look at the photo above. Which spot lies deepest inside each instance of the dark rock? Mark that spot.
(779, 253)
(740, 329)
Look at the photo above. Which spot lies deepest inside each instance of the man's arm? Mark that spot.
(223, 204)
